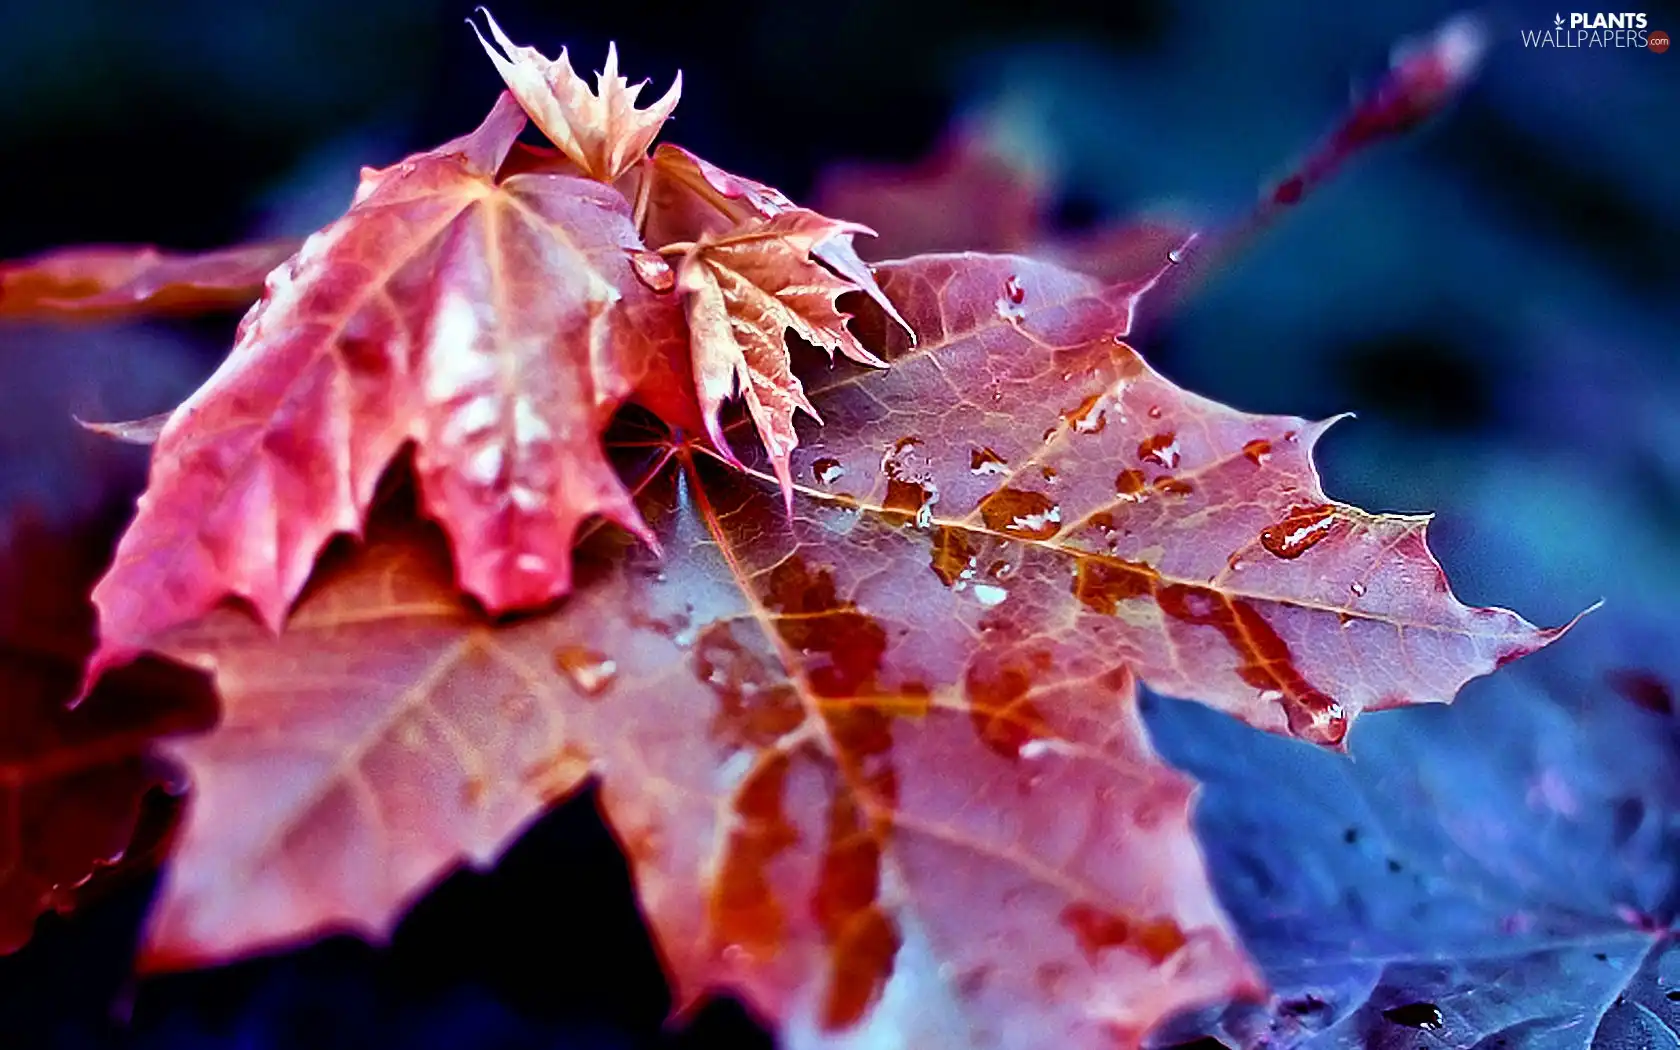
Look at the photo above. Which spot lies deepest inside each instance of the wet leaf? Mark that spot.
(684, 198)
(877, 763)
(744, 292)
(495, 324)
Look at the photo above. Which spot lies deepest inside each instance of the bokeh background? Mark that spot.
(1494, 297)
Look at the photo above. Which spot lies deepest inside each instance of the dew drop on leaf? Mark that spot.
(1426, 1016)
(1161, 449)
(990, 594)
(985, 461)
(1325, 724)
(1013, 289)
(910, 488)
(1258, 451)
(1018, 512)
(1357, 588)
(1154, 411)
(652, 270)
(1009, 310)
(1090, 417)
(1299, 532)
(828, 470)
(590, 672)
(1129, 483)
(952, 556)
(1174, 487)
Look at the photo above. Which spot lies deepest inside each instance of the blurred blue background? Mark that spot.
(1494, 297)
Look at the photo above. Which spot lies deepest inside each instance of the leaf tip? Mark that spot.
(132, 432)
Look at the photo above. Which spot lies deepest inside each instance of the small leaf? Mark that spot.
(744, 291)
(688, 197)
(602, 131)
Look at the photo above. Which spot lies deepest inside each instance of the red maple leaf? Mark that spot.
(877, 764)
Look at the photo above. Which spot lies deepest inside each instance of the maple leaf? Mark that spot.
(683, 198)
(1517, 842)
(496, 325)
(744, 291)
(602, 131)
(107, 282)
(877, 764)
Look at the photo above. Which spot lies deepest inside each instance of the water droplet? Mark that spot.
(1038, 747)
(1325, 724)
(1101, 584)
(1009, 310)
(910, 487)
(1047, 473)
(1018, 512)
(1014, 290)
(1154, 411)
(1357, 588)
(985, 461)
(1299, 532)
(828, 471)
(1174, 487)
(1128, 484)
(589, 671)
(952, 555)
(1161, 449)
(652, 270)
(989, 594)
(1258, 451)
(1176, 256)
(1426, 1016)
(1090, 417)
(1234, 563)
